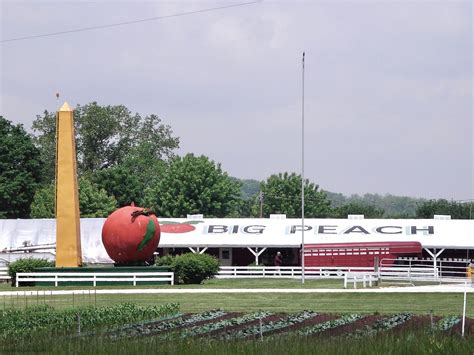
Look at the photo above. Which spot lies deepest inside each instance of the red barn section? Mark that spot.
(358, 254)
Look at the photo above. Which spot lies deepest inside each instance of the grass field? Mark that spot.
(213, 283)
(424, 303)
(441, 304)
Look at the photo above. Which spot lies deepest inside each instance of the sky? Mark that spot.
(387, 84)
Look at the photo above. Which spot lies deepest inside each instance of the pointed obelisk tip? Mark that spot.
(65, 107)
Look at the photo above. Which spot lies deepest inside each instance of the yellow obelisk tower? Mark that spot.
(68, 234)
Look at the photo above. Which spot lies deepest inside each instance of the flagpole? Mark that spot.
(302, 175)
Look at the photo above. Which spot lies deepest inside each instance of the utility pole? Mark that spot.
(260, 199)
(302, 174)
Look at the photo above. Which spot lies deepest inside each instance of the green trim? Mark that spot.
(150, 232)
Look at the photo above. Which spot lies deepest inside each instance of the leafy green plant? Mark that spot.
(26, 265)
(226, 323)
(447, 323)
(194, 268)
(270, 326)
(383, 324)
(321, 327)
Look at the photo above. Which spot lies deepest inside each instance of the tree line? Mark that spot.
(123, 157)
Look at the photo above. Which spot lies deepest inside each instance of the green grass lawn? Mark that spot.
(423, 303)
(213, 283)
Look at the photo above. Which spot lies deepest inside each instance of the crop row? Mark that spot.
(383, 324)
(151, 328)
(266, 327)
(225, 323)
(321, 327)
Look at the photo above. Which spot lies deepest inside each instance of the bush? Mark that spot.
(166, 260)
(194, 268)
(27, 265)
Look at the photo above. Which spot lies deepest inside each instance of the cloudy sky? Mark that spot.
(388, 84)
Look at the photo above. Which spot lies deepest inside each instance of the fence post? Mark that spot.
(409, 270)
(464, 314)
(78, 323)
(345, 280)
(134, 279)
(56, 280)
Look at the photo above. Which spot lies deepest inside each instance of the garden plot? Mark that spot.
(268, 326)
(166, 325)
(219, 325)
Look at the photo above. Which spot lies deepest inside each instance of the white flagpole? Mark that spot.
(302, 175)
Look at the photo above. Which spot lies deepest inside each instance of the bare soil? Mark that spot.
(468, 328)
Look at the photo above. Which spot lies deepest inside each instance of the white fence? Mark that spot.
(4, 274)
(366, 278)
(389, 270)
(94, 277)
(424, 270)
(235, 272)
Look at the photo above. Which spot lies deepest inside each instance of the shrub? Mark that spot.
(166, 260)
(194, 268)
(27, 265)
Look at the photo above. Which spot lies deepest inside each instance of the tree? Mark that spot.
(128, 180)
(455, 209)
(192, 185)
(20, 167)
(282, 195)
(107, 136)
(358, 208)
(93, 201)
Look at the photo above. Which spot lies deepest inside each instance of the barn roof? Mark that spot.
(253, 232)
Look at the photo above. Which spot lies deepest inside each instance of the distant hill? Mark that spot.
(249, 187)
(394, 206)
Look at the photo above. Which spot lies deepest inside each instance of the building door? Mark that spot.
(225, 256)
